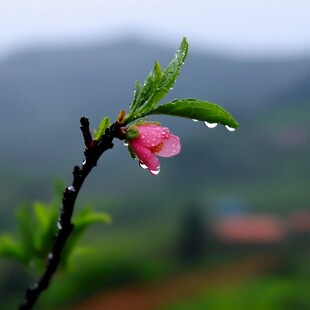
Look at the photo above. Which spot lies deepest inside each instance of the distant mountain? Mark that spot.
(44, 92)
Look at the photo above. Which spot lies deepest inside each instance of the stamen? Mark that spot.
(157, 148)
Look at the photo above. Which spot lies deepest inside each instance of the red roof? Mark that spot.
(250, 229)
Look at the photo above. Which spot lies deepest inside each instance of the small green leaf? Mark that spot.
(104, 124)
(197, 109)
(137, 93)
(41, 212)
(149, 87)
(10, 248)
(91, 218)
(26, 229)
(82, 221)
(42, 216)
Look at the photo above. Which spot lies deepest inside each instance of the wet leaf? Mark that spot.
(156, 86)
(142, 96)
(169, 76)
(198, 110)
(136, 97)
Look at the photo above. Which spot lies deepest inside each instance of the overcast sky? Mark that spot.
(237, 26)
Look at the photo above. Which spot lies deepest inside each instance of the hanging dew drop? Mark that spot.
(230, 128)
(155, 172)
(210, 125)
(142, 165)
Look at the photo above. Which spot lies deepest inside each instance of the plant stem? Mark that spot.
(93, 151)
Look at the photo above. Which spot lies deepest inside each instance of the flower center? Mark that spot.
(157, 148)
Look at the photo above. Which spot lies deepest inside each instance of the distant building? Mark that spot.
(249, 230)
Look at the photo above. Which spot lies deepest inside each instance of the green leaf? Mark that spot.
(41, 212)
(42, 216)
(83, 221)
(104, 124)
(10, 248)
(137, 93)
(142, 96)
(156, 86)
(197, 109)
(169, 76)
(27, 229)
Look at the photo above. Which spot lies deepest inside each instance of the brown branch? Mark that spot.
(93, 151)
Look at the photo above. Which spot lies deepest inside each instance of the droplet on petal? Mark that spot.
(142, 165)
(210, 125)
(171, 147)
(153, 140)
(155, 172)
(125, 143)
(195, 120)
(230, 128)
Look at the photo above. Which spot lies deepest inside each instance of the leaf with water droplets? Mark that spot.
(143, 95)
(198, 110)
(136, 97)
(156, 86)
(170, 75)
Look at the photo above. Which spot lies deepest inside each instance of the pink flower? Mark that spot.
(153, 140)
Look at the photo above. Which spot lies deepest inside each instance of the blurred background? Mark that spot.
(226, 224)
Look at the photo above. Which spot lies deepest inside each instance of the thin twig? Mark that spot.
(93, 151)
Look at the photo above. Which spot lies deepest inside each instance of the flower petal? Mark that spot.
(172, 146)
(145, 156)
(151, 135)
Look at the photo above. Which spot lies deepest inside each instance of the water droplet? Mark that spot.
(59, 225)
(71, 189)
(84, 162)
(210, 125)
(230, 128)
(125, 143)
(155, 172)
(50, 256)
(142, 165)
(171, 88)
(195, 120)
